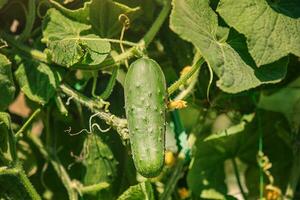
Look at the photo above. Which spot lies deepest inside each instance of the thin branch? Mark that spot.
(30, 19)
(119, 124)
(94, 188)
(185, 77)
(28, 122)
(149, 36)
(187, 91)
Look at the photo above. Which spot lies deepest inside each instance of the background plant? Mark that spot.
(234, 63)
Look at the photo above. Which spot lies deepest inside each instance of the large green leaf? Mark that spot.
(69, 42)
(272, 28)
(7, 87)
(37, 80)
(285, 101)
(196, 22)
(138, 192)
(101, 166)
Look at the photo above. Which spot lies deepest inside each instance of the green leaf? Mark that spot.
(137, 192)
(79, 15)
(7, 86)
(272, 28)
(100, 164)
(69, 42)
(5, 134)
(37, 80)
(285, 101)
(196, 22)
(104, 16)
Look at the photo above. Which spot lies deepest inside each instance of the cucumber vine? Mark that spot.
(199, 99)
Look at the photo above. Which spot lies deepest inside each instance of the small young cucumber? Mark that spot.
(145, 103)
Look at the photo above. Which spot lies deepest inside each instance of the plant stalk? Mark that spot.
(186, 76)
(30, 19)
(149, 36)
(94, 188)
(28, 122)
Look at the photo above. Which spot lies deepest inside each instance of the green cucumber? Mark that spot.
(145, 104)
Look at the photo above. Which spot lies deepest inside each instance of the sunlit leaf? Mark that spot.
(272, 28)
(70, 42)
(196, 22)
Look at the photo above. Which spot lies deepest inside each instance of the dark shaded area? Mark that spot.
(289, 8)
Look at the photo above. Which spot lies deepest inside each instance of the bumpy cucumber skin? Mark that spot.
(145, 104)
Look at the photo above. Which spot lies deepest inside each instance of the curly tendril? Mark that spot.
(91, 127)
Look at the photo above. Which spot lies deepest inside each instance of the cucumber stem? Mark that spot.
(185, 77)
(94, 188)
